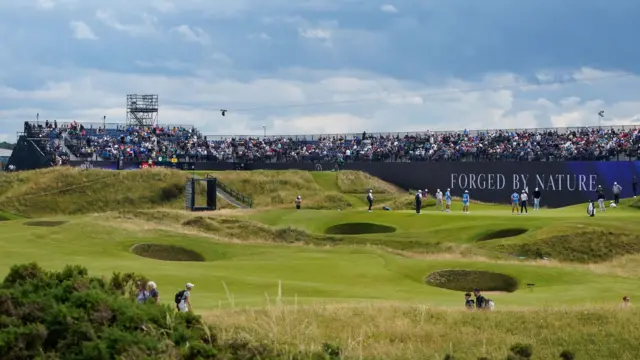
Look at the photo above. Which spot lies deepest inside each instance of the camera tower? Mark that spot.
(142, 110)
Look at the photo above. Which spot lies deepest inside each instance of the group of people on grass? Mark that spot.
(480, 302)
(616, 190)
(149, 293)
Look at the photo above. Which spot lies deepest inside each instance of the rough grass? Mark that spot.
(166, 252)
(467, 280)
(70, 191)
(74, 191)
(587, 246)
(357, 182)
(416, 332)
(270, 188)
(231, 228)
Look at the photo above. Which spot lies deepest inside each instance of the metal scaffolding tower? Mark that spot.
(142, 110)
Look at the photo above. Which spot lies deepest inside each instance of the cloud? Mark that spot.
(388, 8)
(300, 101)
(321, 34)
(82, 31)
(194, 34)
(45, 4)
(142, 25)
(323, 65)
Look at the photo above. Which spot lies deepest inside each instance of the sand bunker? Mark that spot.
(467, 280)
(503, 234)
(45, 223)
(166, 252)
(359, 229)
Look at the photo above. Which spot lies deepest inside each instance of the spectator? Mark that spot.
(138, 143)
(153, 292)
(183, 299)
(481, 301)
(617, 189)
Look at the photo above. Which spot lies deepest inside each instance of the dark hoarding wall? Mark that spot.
(561, 183)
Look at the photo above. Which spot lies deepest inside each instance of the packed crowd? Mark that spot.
(163, 143)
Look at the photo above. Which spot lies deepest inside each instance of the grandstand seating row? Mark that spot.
(186, 143)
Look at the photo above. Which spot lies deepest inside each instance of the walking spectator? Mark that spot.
(183, 298)
(601, 197)
(468, 302)
(481, 301)
(617, 189)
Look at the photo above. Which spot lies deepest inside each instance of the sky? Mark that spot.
(322, 66)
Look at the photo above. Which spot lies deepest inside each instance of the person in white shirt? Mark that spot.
(185, 302)
(617, 189)
(591, 209)
(523, 202)
(298, 202)
(370, 199)
(439, 204)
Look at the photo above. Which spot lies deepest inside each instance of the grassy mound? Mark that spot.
(467, 280)
(230, 228)
(43, 223)
(357, 182)
(72, 191)
(586, 246)
(405, 202)
(70, 315)
(166, 252)
(280, 188)
(359, 229)
(502, 234)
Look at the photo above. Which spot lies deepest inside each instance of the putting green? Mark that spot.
(246, 273)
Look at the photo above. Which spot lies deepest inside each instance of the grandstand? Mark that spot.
(43, 144)
(142, 138)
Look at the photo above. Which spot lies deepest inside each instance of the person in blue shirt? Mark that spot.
(515, 200)
(447, 198)
(465, 202)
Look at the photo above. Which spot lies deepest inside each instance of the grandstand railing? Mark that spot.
(354, 136)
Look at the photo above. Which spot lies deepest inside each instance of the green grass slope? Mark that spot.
(58, 191)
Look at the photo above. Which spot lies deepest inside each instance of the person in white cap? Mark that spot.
(617, 189)
(439, 204)
(418, 201)
(523, 203)
(447, 199)
(298, 202)
(370, 199)
(465, 202)
(153, 292)
(183, 298)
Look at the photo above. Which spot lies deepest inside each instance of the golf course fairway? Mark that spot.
(376, 284)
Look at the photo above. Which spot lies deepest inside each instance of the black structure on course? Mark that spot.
(190, 193)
